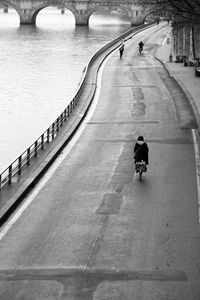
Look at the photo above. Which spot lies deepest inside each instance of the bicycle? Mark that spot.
(140, 50)
(140, 167)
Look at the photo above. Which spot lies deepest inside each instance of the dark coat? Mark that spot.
(141, 44)
(141, 153)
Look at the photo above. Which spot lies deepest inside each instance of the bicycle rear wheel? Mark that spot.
(140, 175)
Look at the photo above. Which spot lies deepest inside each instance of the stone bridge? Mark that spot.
(81, 9)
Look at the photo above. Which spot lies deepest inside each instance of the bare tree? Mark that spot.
(187, 11)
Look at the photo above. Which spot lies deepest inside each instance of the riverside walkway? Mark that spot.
(90, 224)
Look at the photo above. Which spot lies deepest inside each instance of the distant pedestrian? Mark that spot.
(121, 50)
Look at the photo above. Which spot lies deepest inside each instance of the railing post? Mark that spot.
(61, 119)
(28, 157)
(42, 141)
(35, 148)
(65, 114)
(19, 165)
(57, 124)
(75, 100)
(10, 174)
(48, 135)
(53, 126)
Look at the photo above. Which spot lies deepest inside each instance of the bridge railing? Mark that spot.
(24, 160)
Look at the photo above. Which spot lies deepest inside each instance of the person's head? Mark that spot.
(141, 138)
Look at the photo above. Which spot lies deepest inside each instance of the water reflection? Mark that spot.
(40, 68)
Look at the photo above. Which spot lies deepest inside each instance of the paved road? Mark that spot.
(94, 231)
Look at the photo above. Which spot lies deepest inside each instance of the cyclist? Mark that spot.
(141, 151)
(141, 45)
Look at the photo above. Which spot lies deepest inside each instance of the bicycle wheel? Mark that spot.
(140, 175)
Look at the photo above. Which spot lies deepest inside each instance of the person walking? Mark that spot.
(121, 50)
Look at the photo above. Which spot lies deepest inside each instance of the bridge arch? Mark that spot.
(12, 5)
(133, 13)
(38, 9)
(104, 8)
(27, 14)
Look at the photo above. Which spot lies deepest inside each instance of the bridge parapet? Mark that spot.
(81, 9)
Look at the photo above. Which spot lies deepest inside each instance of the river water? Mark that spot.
(40, 68)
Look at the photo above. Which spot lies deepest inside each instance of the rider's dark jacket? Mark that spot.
(141, 45)
(141, 152)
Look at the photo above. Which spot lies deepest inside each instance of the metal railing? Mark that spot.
(15, 168)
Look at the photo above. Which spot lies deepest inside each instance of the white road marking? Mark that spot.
(60, 158)
(197, 158)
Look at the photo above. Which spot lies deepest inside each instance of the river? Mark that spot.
(40, 68)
